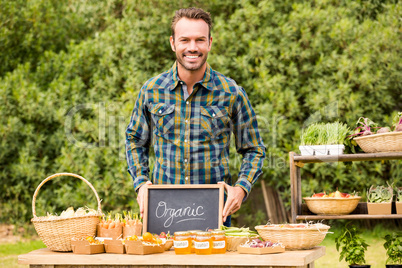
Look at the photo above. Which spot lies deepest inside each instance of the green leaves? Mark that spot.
(352, 246)
(393, 245)
(71, 72)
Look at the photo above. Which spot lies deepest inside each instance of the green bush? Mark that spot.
(68, 90)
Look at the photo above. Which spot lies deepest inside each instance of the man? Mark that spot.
(188, 113)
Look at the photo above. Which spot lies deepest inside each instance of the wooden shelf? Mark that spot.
(347, 157)
(348, 217)
(297, 162)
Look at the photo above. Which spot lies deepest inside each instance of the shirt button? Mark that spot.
(186, 121)
(186, 178)
(185, 140)
(187, 102)
(213, 115)
(160, 111)
(185, 160)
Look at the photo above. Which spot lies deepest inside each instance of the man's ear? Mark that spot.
(210, 43)
(172, 43)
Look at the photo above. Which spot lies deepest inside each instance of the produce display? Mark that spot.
(259, 243)
(333, 203)
(335, 194)
(294, 236)
(70, 213)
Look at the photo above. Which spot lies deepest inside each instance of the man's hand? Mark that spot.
(141, 196)
(235, 197)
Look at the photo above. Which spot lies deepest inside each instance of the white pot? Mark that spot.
(335, 149)
(306, 150)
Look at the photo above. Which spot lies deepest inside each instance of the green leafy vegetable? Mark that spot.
(353, 246)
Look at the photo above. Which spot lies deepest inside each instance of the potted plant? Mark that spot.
(398, 201)
(324, 139)
(379, 200)
(393, 246)
(353, 247)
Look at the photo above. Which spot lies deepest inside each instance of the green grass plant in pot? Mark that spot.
(379, 200)
(353, 247)
(324, 139)
(393, 246)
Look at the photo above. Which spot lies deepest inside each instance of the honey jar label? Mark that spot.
(180, 244)
(219, 244)
(201, 245)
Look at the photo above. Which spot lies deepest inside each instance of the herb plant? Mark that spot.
(352, 245)
(393, 245)
(380, 194)
(321, 134)
(399, 194)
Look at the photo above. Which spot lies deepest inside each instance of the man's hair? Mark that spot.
(192, 13)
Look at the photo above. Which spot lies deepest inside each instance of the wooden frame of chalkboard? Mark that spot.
(172, 208)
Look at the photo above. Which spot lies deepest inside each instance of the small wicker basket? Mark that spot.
(383, 142)
(57, 233)
(332, 205)
(292, 236)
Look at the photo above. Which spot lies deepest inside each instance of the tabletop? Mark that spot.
(47, 258)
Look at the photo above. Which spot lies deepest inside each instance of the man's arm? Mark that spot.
(250, 145)
(137, 146)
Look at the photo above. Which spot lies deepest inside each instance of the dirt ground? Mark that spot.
(9, 233)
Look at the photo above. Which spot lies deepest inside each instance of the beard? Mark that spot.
(191, 66)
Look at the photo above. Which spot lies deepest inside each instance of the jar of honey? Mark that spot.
(203, 243)
(182, 243)
(218, 242)
(192, 235)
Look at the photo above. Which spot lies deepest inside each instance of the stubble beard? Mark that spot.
(188, 66)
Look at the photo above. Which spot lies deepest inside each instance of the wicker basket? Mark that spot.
(383, 142)
(332, 205)
(294, 237)
(234, 241)
(57, 233)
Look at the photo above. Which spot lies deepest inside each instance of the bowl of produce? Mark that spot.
(294, 236)
(236, 236)
(335, 203)
(372, 138)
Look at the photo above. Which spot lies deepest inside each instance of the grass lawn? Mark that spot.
(374, 256)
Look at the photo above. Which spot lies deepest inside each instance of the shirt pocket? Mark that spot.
(214, 121)
(163, 117)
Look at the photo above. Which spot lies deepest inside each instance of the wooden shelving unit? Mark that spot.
(300, 211)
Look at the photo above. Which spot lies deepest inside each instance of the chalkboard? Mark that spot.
(172, 208)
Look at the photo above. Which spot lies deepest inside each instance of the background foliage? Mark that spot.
(71, 72)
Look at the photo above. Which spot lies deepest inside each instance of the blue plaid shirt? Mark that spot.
(191, 137)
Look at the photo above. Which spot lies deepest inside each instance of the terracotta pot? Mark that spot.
(379, 208)
(398, 206)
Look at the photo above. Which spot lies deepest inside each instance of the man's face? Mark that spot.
(191, 43)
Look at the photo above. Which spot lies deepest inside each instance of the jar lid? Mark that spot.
(182, 233)
(203, 233)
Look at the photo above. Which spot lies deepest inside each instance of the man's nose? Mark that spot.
(193, 46)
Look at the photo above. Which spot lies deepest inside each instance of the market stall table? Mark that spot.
(45, 258)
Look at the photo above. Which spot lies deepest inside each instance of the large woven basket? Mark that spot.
(57, 233)
(332, 205)
(292, 236)
(383, 142)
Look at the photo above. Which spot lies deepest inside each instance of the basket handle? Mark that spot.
(59, 175)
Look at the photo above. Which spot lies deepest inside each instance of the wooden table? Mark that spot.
(44, 258)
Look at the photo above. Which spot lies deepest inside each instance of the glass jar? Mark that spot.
(182, 243)
(203, 243)
(218, 242)
(193, 233)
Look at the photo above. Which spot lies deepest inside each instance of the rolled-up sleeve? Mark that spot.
(248, 142)
(138, 142)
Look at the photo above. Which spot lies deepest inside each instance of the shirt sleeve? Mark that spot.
(248, 142)
(138, 142)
